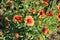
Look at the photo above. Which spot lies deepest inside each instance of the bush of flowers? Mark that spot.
(29, 20)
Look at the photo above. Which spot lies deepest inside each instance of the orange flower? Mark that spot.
(32, 10)
(41, 14)
(59, 8)
(16, 35)
(17, 18)
(29, 21)
(58, 17)
(45, 3)
(50, 13)
(45, 30)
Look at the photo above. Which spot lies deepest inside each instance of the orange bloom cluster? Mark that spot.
(28, 20)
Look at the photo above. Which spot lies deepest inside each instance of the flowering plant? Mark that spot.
(30, 19)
